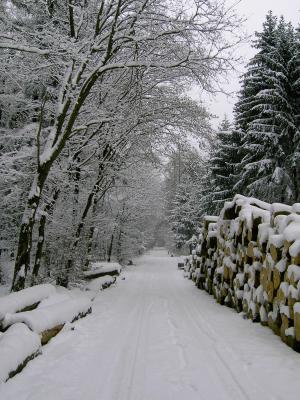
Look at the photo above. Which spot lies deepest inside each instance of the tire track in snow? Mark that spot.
(210, 332)
(130, 388)
(175, 341)
(225, 370)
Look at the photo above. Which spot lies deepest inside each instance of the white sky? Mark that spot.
(255, 11)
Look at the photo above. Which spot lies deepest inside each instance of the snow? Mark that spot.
(264, 231)
(17, 301)
(211, 218)
(294, 249)
(263, 314)
(21, 47)
(99, 283)
(297, 308)
(16, 344)
(292, 231)
(240, 278)
(242, 200)
(280, 208)
(157, 337)
(290, 331)
(276, 240)
(54, 299)
(212, 226)
(296, 208)
(285, 310)
(249, 212)
(104, 265)
(294, 269)
(229, 264)
(259, 295)
(102, 270)
(281, 265)
(279, 223)
(212, 234)
(293, 292)
(284, 287)
(50, 316)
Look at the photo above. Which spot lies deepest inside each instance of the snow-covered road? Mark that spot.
(156, 337)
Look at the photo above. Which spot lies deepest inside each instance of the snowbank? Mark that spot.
(17, 346)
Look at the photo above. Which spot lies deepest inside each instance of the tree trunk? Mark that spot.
(89, 246)
(22, 264)
(110, 246)
(41, 238)
(63, 278)
(119, 248)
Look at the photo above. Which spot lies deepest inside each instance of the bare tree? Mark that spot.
(78, 46)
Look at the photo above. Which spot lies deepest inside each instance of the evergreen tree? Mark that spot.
(225, 155)
(266, 117)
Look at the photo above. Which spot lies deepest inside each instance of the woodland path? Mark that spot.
(157, 337)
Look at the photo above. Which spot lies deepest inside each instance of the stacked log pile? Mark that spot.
(31, 317)
(248, 258)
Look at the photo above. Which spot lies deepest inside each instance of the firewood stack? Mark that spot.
(205, 251)
(249, 259)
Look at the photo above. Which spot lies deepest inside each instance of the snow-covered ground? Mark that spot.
(156, 337)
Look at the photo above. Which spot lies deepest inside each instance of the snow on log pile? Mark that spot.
(32, 316)
(100, 283)
(18, 345)
(49, 320)
(103, 268)
(25, 300)
(248, 258)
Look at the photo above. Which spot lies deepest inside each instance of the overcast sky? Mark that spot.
(255, 11)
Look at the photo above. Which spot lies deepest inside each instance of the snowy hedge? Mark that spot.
(249, 259)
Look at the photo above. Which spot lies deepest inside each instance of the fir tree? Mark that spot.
(225, 155)
(265, 115)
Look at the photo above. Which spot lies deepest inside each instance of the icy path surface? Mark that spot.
(157, 337)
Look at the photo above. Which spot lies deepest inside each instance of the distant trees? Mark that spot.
(184, 188)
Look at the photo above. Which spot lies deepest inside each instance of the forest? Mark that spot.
(119, 187)
(103, 151)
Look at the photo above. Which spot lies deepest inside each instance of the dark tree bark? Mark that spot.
(41, 238)
(22, 264)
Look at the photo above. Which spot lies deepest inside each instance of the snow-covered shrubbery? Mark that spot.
(249, 259)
